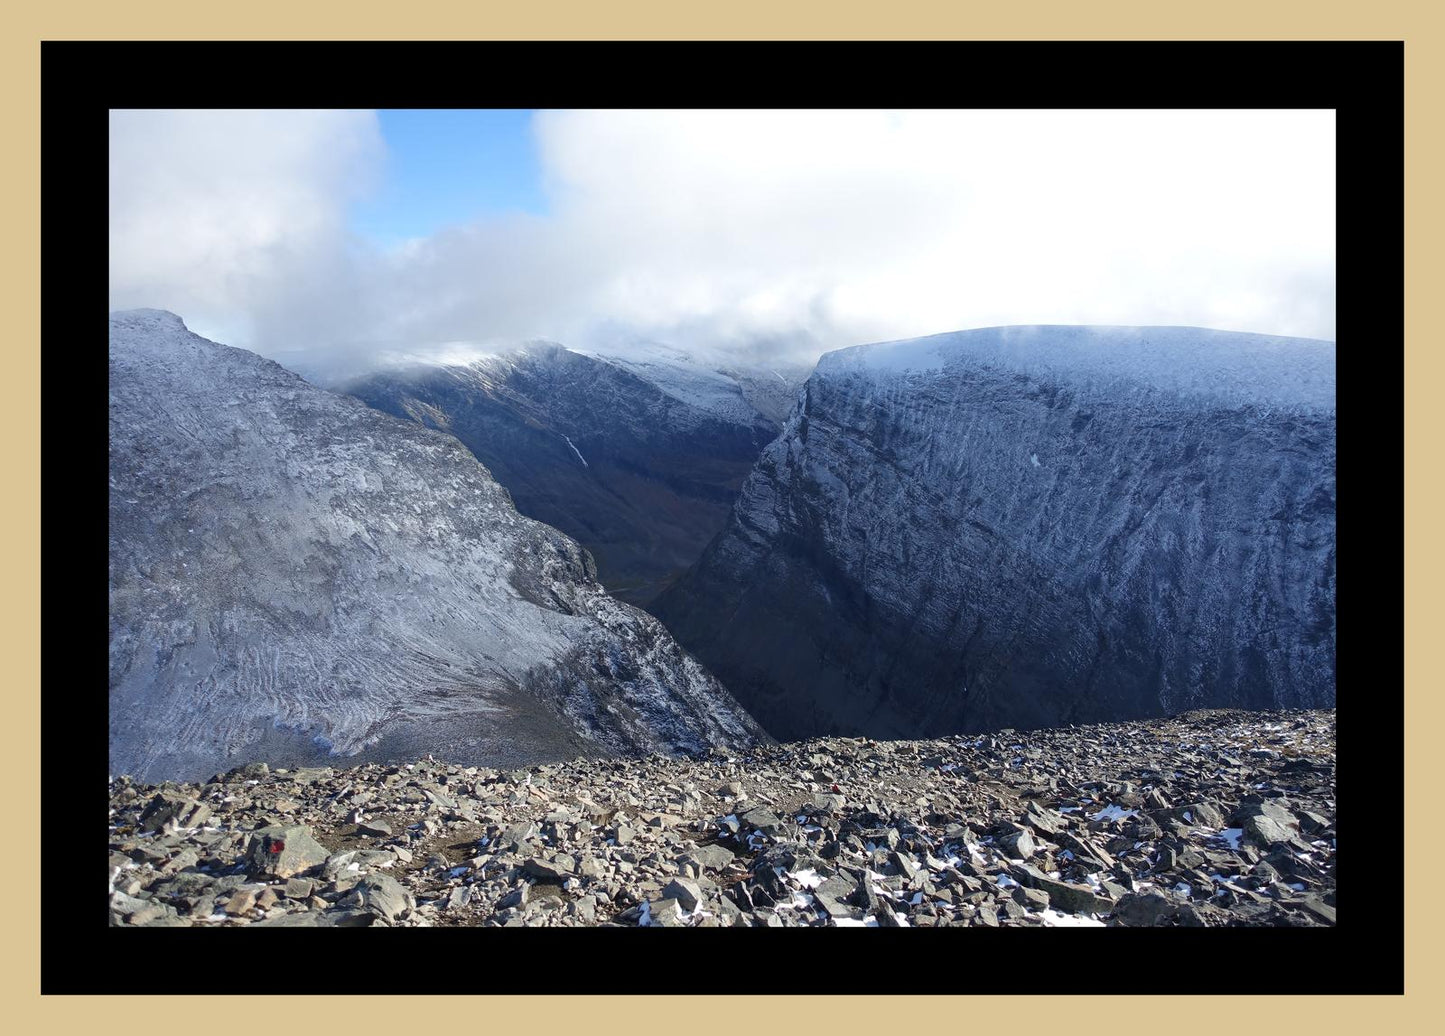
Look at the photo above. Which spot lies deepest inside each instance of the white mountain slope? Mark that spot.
(725, 387)
(292, 574)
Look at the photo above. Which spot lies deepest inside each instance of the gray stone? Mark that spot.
(189, 883)
(296, 919)
(685, 892)
(585, 909)
(516, 898)
(839, 897)
(1086, 853)
(185, 858)
(763, 819)
(663, 913)
(1045, 822)
(558, 870)
(242, 901)
(149, 914)
(1029, 898)
(1144, 909)
(1264, 808)
(1072, 899)
(439, 799)
(712, 857)
(888, 917)
(348, 917)
(1317, 908)
(382, 895)
(162, 809)
(1266, 832)
(516, 834)
(1018, 844)
(1201, 814)
(284, 852)
(729, 913)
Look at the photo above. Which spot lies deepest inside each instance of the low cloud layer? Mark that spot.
(755, 232)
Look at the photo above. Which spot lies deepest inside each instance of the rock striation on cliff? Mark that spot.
(296, 577)
(1031, 526)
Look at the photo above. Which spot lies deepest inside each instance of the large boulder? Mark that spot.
(284, 852)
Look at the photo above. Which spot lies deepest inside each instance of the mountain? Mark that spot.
(294, 576)
(639, 457)
(1031, 526)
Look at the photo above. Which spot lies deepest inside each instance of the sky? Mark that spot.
(449, 166)
(343, 236)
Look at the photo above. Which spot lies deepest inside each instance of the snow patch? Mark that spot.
(1057, 919)
(578, 452)
(1232, 367)
(1113, 812)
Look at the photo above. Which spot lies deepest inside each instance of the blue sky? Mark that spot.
(450, 166)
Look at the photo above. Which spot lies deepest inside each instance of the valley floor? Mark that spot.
(1208, 819)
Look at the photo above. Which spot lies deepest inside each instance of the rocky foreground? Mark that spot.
(1215, 818)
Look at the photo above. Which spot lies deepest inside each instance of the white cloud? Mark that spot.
(744, 229)
(230, 218)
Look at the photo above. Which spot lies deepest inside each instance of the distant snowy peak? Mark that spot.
(707, 390)
(712, 381)
(1226, 367)
(735, 395)
(146, 320)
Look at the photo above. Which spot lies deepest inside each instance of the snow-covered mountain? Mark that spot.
(637, 455)
(1027, 526)
(294, 574)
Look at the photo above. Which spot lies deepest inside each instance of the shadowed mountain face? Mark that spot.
(294, 575)
(1028, 527)
(638, 460)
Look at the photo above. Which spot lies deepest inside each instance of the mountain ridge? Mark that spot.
(294, 574)
(637, 459)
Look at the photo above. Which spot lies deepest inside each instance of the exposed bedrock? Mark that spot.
(1028, 527)
(295, 577)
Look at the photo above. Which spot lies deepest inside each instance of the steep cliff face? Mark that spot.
(638, 459)
(293, 575)
(1031, 526)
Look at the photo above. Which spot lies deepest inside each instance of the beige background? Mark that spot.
(749, 19)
